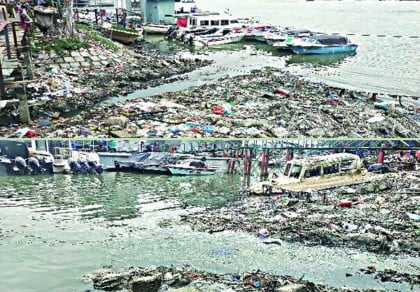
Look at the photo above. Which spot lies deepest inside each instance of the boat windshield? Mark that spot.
(296, 169)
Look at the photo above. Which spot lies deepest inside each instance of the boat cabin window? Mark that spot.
(224, 22)
(198, 164)
(330, 169)
(295, 172)
(214, 22)
(234, 21)
(204, 22)
(348, 165)
(193, 22)
(287, 169)
(313, 171)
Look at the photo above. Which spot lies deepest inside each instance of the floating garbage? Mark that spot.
(263, 233)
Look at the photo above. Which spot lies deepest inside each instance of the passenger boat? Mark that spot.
(155, 28)
(315, 173)
(288, 36)
(191, 167)
(260, 32)
(122, 35)
(189, 23)
(150, 162)
(221, 37)
(16, 159)
(67, 160)
(322, 44)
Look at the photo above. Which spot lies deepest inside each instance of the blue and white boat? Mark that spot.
(191, 167)
(322, 44)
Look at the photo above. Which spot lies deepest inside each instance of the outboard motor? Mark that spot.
(47, 165)
(96, 168)
(74, 166)
(84, 167)
(34, 167)
(20, 166)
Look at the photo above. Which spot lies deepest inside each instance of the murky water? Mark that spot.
(54, 229)
(386, 61)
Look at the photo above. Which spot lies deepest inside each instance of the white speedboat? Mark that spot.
(225, 36)
(191, 167)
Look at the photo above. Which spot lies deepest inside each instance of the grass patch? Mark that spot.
(59, 45)
(122, 28)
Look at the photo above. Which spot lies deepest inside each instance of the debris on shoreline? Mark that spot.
(263, 104)
(161, 278)
(383, 219)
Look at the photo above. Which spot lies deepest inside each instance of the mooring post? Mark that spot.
(264, 163)
(6, 38)
(15, 39)
(2, 87)
(381, 155)
(24, 115)
(289, 155)
(249, 161)
(28, 55)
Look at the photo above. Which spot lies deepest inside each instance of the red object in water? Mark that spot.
(218, 110)
(281, 91)
(345, 203)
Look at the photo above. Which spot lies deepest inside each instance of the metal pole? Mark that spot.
(15, 39)
(2, 88)
(6, 37)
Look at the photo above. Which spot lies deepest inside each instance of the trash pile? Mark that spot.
(380, 216)
(83, 78)
(262, 104)
(186, 279)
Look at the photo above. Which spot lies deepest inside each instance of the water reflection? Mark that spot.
(320, 60)
(117, 195)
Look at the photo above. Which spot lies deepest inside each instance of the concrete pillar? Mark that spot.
(24, 115)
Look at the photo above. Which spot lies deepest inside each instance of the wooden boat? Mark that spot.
(322, 44)
(121, 35)
(191, 167)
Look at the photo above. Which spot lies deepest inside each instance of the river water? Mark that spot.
(386, 61)
(54, 229)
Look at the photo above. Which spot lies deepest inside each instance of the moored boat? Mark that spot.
(322, 44)
(120, 34)
(315, 173)
(150, 162)
(191, 167)
(221, 37)
(16, 159)
(156, 28)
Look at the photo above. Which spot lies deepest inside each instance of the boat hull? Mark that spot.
(323, 49)
(190, 171)
(204, 42)
(155, 28)
(120, 36)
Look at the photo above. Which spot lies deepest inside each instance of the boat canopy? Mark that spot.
(13, 149)
(293, 32)
(331, 39)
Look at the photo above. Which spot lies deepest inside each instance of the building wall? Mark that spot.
(155, 10)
